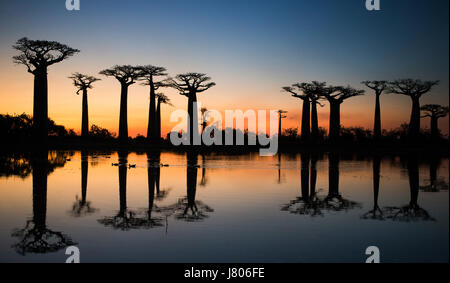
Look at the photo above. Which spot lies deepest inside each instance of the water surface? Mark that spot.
(169, 207)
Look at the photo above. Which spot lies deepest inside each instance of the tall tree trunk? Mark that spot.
(158, 120)
(123, 122)
(152, 130)
(434, 128)
(40, 106)
(191, 181)
(85, 116)
(335, 121)
(306, 116)
(151, 183)
(193, 122)
(414, 124)
(314, 121)
(377, 122)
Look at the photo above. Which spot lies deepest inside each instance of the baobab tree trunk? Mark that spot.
(306, 116)
(40, 106)
(414, 124)
(158, 120)
(376, 179)
(314, 121)
(151, 129)
(193, 122)
(123, 121)
(377, 123)
(335, 121)
(85, 116)
(434, 128)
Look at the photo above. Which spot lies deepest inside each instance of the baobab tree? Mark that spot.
(314, 90)
(149, 74)
(37, 56)
(414, 89)
(83, 83)
(162, 99)
(297, 91)
(434, 112)
(126, 75)
(379, 87)
(189, 85)
(336, 96)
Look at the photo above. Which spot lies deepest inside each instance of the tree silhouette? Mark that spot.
(37, 56)
(414, 89)
(281, 115)
(189, 85)
(162, 99)
(149, 74)
(83, 83)
(435, 184)
(126, 75)
(315, 90)
(379, 87)
(435, 112)
(298, 91)
(336, 96)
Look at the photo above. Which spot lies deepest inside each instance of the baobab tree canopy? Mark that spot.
(339, 94)
(191, 83)
(125, 74)
(83, 82)
(435, 110)
(39, 54)
(149, 72)
(378, 86)
(410, 87)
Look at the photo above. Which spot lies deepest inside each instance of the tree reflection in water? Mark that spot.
(188, 208)
(310, 203)
(82, 206)
(36, 237)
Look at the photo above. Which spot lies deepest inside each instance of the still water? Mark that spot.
(170, 207)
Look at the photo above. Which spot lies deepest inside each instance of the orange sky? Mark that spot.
(16, 88)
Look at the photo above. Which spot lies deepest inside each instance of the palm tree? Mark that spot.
(149, 74)
(435, 112)
(126, 75)
(336, 96)
(162, 99)
(189, 85)
(37, 56)
(414, 89)
(83, 83)
(379, 87)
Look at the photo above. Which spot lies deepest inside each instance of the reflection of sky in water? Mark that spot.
(234, 211)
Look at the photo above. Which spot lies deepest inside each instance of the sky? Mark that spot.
(250, 48)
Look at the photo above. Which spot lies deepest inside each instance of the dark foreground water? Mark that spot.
(216, 208)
